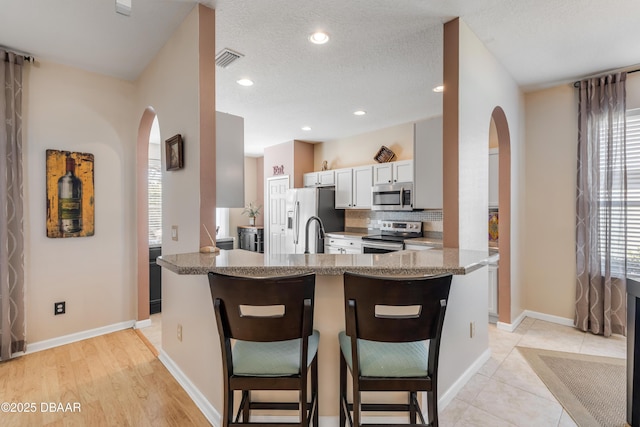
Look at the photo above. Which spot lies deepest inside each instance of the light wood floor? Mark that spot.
(115, 380)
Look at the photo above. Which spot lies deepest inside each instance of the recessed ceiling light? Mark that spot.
(306, 128)
(245, 82)
(360, 113)
(438, 89)
(319, 38)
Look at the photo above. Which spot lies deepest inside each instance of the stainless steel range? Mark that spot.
(392, 236)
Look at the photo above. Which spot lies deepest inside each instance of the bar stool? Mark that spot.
(388, 321)
(267, 341)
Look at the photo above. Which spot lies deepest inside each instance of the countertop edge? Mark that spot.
(276, 270)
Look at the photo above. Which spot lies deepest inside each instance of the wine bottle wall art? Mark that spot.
(70, 194)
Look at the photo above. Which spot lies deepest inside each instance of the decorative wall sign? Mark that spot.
(278, 170)
(70, 194)
(173, 150)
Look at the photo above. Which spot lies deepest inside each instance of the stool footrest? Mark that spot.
(287, 406)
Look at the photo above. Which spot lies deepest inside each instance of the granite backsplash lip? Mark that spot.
(402, 263)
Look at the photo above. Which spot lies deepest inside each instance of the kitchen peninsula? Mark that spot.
(465, 336)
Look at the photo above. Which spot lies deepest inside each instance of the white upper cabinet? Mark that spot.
(493, 177)
(382, 173)
(427, 156)
(344, 188)
(319, 179)
(403, 171)
(387, 173)
(229, 161)
(362, 181)
(353, 187)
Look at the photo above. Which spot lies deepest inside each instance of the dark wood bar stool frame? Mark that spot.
(362, 294)
(296, 294)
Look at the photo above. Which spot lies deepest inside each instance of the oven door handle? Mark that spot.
(386, 246)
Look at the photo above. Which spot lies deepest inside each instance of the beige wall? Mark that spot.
(483, 85)
(359, 150)
(549, 256)
(279, 155)
(170, 85)
(551, 156)
(69, 109)
(296, 157)
(303, 161)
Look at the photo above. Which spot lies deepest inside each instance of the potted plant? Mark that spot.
(253, 212)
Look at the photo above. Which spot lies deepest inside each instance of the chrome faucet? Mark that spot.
(306, 230)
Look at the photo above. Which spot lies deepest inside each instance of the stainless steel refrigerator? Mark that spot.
(302, 204)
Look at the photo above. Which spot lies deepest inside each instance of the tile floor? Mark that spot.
(506, 392)
(154, 332)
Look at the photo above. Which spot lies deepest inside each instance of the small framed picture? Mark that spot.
(174, 153)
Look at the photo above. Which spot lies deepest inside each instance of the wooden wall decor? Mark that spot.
(174, 153)
(70, 194)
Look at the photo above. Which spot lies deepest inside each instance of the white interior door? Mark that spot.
(277, 221)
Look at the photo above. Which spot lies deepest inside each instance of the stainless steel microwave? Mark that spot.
(392, 197)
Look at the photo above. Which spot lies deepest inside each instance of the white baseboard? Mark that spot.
(455, 388)
(207, 409)
(142, 324)
(78, 336)
(214, 417)
(549, 318)
(510, 327)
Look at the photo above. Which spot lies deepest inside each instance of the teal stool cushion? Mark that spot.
(271, 359)
(389, 360)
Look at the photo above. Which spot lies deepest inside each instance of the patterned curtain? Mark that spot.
(601, 206)
(12, 312)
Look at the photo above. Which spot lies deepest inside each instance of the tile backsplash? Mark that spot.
(370, 220)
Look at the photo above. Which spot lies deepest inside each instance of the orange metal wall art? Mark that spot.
(70, 194)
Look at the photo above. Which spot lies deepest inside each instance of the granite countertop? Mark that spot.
(407, 263)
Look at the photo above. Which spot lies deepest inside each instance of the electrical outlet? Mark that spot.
(179, 332)
(59, 307)
(472, 329)
(174, 232)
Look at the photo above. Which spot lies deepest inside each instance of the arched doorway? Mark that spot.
(142, 209)
(504, 204)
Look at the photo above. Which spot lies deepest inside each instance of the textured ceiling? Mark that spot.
(384, 56)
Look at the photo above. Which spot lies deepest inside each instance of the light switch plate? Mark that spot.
(174, 232)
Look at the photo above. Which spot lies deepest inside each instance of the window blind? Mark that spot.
(155, 202)
(633, 191)
(631, 246)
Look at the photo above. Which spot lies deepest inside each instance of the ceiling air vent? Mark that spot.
(226, 57)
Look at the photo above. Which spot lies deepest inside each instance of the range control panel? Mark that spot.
(401, 227)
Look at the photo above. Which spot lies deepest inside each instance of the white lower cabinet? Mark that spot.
(493, 292)
(346, 245)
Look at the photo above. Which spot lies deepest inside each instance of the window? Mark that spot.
(631, 246)
(633, 191)
(155, 186)
(222, 222)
